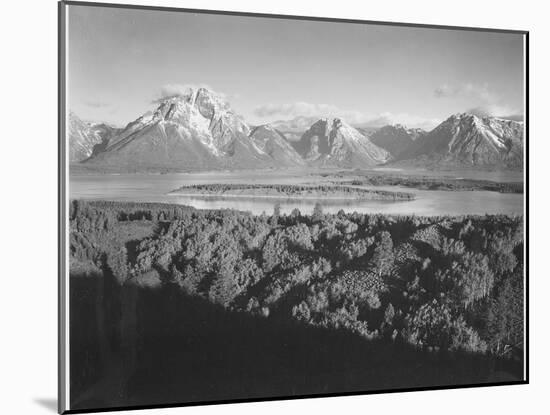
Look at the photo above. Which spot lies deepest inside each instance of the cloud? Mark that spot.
(176, 90)
(295, 109)
(304, 109)
(96, 104)
(514, 117)
(466, 90)
(494, 110)
(408, 120)
(487, 104)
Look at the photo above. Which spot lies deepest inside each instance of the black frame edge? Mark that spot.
(526, 213)
(61, 220)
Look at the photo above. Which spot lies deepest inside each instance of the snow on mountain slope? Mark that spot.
(83, 137)
(273, 143)
(465, 139)
(197, 130)
(332, 142)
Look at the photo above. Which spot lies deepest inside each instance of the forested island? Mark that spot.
(429, 183)
(193, 300)
(287, 191)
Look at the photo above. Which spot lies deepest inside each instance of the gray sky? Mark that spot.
(120, 60)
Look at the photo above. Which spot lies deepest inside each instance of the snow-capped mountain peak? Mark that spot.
(199, 130)
(467, 139)
(196, 129)
(331, 141)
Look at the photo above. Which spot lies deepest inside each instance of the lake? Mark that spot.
(155, 188)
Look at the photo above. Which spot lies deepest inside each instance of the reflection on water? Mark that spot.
(155, 188)
(257, 206)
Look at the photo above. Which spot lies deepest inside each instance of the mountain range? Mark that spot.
(468, 140)
(85, 137)
(199, 131)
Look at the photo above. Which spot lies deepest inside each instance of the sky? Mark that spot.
(121, 60)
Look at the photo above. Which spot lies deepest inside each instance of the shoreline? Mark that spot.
(131, 204)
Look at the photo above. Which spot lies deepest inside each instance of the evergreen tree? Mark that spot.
(317, 214)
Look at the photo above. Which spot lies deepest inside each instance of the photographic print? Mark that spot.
(258, 207)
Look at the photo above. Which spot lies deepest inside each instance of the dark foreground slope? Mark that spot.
(173, 305)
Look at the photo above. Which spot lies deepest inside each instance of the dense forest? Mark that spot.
(369, 301)
(283, 191)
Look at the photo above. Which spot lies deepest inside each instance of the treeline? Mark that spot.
(294, 190)
(101, 214)
(432, 183)
(437, 283)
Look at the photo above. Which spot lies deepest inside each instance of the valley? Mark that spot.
(196, 138)
(156, 188)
